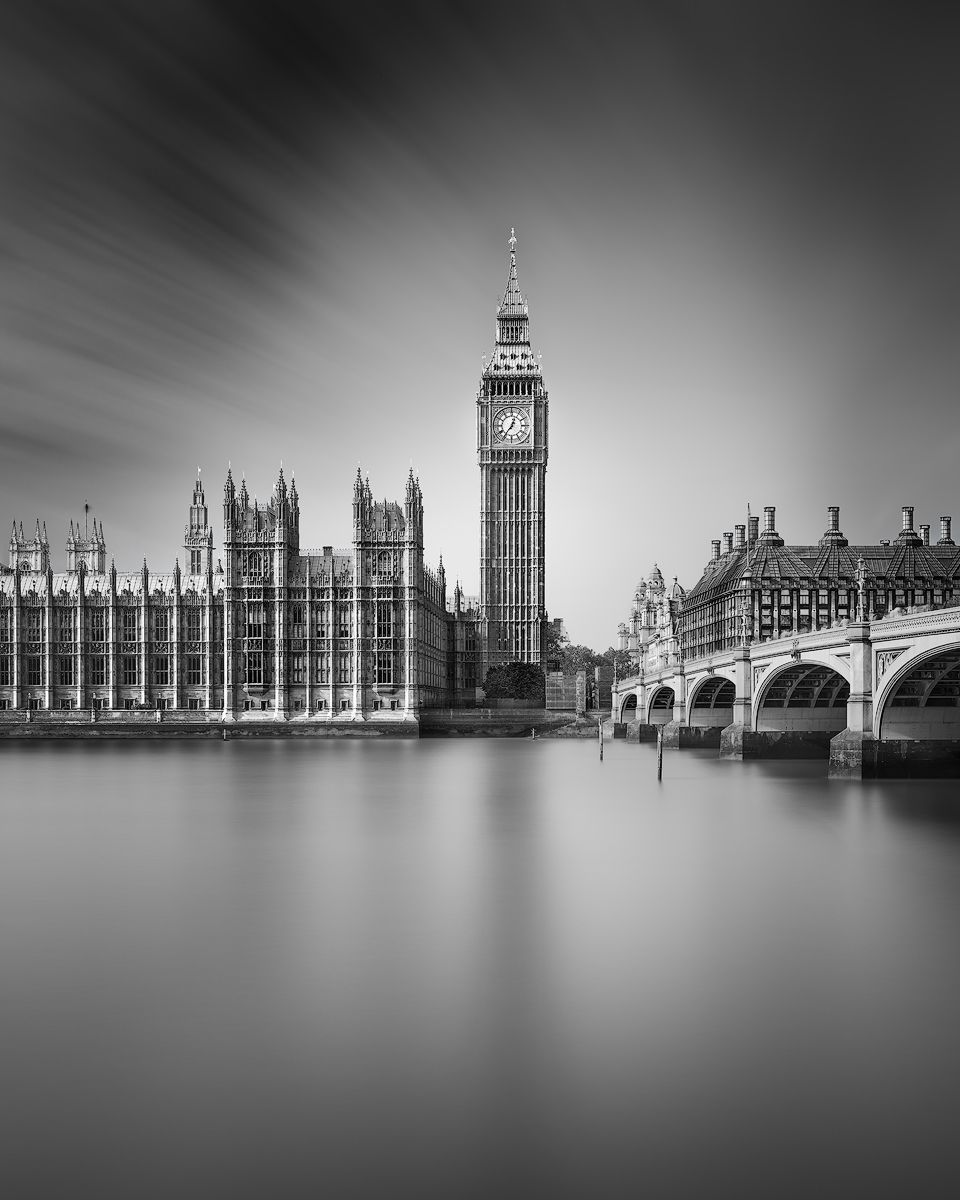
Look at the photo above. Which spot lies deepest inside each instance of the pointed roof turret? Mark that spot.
(512, 355)
(513, 303)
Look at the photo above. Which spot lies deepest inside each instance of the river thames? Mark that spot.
(473, 967)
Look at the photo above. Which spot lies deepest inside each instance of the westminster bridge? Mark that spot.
(878, 698)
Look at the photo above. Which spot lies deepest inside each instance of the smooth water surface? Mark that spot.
(450, 968)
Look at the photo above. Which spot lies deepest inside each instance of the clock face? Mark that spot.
(512, 425)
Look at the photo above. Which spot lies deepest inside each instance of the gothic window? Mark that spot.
(384, 668)
(34, 625)
(194, 670)
(196, 562)
(129, 670)
(345, 667)
(34, 670)
(128, 624)
(6, 670)
(98, 671)
(65, 670)
(161, 670)
(194, 633)
(254, 625)
(296, 668)
(323, 668)
(98, 628)
(298, 621)
(64, 625)
(253, 668)
(384, 618)
(161, 625)
(343, 620)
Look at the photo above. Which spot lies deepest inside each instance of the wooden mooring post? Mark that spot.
(659, 752)
(600, 735)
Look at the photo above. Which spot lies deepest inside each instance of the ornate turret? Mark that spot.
(29, 555)
(512, 354)
(198, 536)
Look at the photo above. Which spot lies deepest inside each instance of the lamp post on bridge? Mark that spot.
(746, 606)
(861, 578)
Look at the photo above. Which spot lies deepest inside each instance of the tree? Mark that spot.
(516, 681)
(621, 660)
(579, 658)
(555, 643)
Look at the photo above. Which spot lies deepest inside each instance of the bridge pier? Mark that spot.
(678, 735)
(738, 742)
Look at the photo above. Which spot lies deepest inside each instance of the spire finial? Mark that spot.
(513, 241)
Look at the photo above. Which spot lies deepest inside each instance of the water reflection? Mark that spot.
(455, 967)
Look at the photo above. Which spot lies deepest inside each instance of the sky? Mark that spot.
(254, 233)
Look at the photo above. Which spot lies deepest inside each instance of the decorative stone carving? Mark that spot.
(884, 659)
(758, 674)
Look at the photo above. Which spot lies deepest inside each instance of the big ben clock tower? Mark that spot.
(512, 453)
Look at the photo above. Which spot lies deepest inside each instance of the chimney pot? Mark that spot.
(770, 518)
(945, 538)
(727, 543)
(739, 539)
(908, 516)
(833, 517)
(925, 534)
(716, 548)
(753, 530)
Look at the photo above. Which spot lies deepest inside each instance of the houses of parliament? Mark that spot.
(262, 629)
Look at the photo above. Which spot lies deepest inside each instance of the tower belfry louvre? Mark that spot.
(512, 455)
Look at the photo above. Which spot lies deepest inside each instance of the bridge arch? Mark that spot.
(806, 696)
(710, 702)
(920, 699)
(660, 705)
(628, 708)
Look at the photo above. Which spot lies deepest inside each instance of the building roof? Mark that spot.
(828, 562)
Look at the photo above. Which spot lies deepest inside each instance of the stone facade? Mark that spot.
(757, 588)
(277, 631)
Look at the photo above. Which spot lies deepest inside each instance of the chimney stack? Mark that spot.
(908, 518)
(753, 530)
(925, 534)
(769, 519)
(727, 543)
(945, 538)
(833, 518)
(739, 537)
(716, 549)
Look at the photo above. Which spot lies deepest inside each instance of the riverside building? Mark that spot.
(271, 630)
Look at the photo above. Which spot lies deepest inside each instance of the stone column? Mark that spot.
(743, 681)
(208, 647)
(17, 633)
(79, 658)
(48, 644)
(310, 617)
(853, 749)
(144, 632)
(229, 684)
(111, 632)
(177, 636)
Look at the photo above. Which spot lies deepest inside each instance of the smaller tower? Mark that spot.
(86, 547)
(32, 555)
(198, 536)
